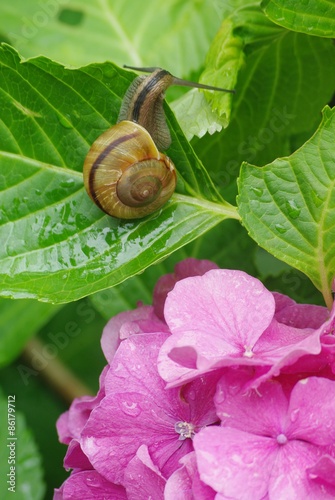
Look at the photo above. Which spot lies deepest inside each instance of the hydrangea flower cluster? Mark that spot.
(219, 390)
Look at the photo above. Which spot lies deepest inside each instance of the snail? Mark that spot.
(124, 173)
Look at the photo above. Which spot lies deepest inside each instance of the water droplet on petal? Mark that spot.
(130, 408)
(185, 429)
(220, 396)
(294, 415)
(191, 395)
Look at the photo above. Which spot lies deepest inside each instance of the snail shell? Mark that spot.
(125, 174)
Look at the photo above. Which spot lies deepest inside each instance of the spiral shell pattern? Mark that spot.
(126, 175)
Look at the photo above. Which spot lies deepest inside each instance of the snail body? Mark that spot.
(143, 103)
(124, 173)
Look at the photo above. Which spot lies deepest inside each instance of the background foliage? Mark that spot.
(61, 85)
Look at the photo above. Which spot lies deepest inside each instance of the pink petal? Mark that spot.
(121, 424)
(185, 483)
(163, 286)
(320, 364)
(143, 479)
(282, 301)
(235, 463)
(281, 346)
(290, 313)
(303, 316)
(89, 485)
(184, 269)
(183, 367)
(268, 405)
(313, 355)
(311, 414)
(70, 424)
(216, 319)
(121, 326)
(200, 394)
(290, 478)
(242, 465)
(229, 305)
(323, 470)
(75, 458)
(193, 267)
(137, 358)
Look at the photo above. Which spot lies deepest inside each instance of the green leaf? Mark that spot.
(41, 407)
(58, 246)
(77, 33)
(288, 207)
(250, 24)
(226, 56)
(244, 27)
(20, 320)
(195, 115)
(27, 463)
(277, 97)
(313, 17)
(223, 63)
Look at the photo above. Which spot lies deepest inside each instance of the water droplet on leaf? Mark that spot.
(258, 191)
(280, 228)
(316, 199)
(67, 183)
(292, 209)
(64, 120)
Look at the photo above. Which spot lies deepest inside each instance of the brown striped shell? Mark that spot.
(125, 174)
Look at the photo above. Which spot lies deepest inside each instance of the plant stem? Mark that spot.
(225, 209)
(57, 375)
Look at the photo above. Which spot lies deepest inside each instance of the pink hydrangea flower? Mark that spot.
(180, 377)
(269, 444)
